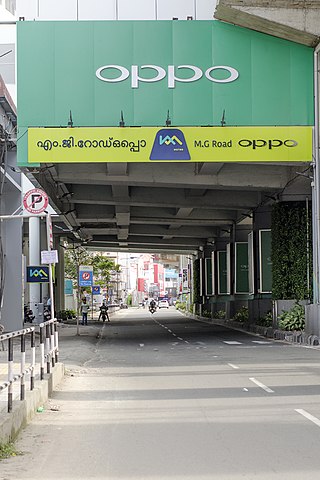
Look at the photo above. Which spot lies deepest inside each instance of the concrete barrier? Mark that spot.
(23, 411)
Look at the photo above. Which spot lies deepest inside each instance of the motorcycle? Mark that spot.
(28, 314)
(152, 309)
(46, 314)
(104, 313)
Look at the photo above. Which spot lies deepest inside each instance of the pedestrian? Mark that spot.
(84, 311)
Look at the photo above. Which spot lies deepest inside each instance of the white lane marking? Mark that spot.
(233, 366)
(232, 343)
(179, 338)
(170, 331)
(261, 385)
(308, 416)
(261, 342)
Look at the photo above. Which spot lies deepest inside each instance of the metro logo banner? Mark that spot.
(149, 144)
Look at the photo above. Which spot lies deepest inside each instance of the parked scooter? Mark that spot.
(46, 314)
(28, 314)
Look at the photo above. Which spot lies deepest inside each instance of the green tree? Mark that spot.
(103, 269)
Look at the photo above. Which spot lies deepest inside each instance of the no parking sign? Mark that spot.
(35, 201)
(85, 276)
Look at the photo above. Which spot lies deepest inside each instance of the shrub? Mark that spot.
(219, 314)
(181, 306)
(266, 321)
(294, 319)
(242, 315)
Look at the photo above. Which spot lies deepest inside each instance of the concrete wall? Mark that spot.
(299, 14)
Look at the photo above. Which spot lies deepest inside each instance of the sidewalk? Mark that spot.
(74, 350)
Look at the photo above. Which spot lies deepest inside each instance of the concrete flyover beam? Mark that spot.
(189, 175)
(295, 21)
(157, 197)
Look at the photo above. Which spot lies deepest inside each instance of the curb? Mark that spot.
(23, 411)
(296, 338)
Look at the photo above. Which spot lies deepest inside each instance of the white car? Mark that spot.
(163, 304)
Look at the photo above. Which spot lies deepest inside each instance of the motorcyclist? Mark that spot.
(104, 312)
(152, 305)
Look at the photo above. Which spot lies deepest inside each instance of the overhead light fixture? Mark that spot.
(70, 122)
(223, 120)
(121, 123)
(168, 121)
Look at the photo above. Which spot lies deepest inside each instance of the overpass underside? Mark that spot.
(178, 207)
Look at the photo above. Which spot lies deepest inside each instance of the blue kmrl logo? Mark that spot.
(170, 144)
(37, 274)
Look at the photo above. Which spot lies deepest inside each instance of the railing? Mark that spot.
(48, 352)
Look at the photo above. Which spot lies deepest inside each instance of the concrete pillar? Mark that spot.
(11, 239)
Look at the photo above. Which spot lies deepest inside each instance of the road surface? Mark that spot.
(165, 397)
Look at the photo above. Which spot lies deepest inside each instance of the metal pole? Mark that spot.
(23, 366)
(10, 374)
(79, 300)
(42, 362)
(316, 183)
(49, 245)
(33, 358)
(34, 259)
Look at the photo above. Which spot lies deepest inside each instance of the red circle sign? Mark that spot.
(35, 201)
(86, 276)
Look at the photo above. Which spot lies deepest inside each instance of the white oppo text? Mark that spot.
(160, 73)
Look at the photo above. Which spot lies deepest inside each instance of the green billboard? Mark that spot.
(154, 72)
(241, 268)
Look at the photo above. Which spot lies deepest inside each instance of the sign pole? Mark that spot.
(49, 246)
(92, 303)
(79, 299)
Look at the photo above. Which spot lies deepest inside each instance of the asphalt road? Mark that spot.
(165, 397)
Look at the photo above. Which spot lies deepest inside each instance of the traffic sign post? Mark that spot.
(85, 279)
(35, 201)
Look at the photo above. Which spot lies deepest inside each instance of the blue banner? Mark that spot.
(37, 274)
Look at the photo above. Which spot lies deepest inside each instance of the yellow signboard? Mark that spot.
(170, 144)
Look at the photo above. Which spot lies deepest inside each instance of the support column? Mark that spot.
(59, 276)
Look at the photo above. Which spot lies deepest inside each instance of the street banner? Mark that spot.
(183, 144)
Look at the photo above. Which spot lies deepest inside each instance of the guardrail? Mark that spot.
(48, 353)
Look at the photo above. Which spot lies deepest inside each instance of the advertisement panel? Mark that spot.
(265, 261)
(241, 268)
(198, 144)
(149, 73)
